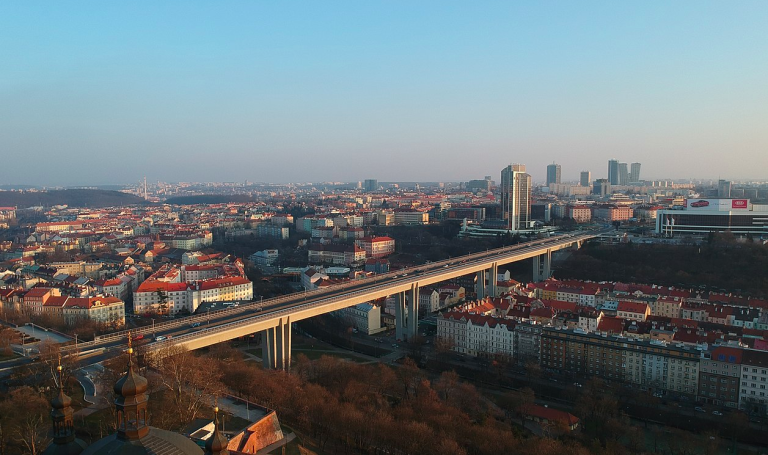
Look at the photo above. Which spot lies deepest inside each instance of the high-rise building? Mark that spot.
(634, 172)
(602, 187)
(613, 172)
(515, 190)
(371, 185)
(553, 174)
(623, 174)
(586, 178)
(724, 188)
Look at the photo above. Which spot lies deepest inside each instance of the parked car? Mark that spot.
(577, 384)
(699, 409)
(717, 413)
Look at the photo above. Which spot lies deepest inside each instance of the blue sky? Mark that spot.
(107, 92)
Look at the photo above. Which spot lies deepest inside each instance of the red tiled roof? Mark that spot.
(541, 412)
(611, 325)
(632, 307)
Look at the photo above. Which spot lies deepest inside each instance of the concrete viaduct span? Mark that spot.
(275, 324)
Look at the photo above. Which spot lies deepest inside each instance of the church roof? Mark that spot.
(156, 442)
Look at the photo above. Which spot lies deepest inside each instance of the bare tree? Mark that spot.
(192, 381)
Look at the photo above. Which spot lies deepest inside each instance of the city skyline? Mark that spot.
(439, 91)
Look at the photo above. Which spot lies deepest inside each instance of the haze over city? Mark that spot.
(409, 91)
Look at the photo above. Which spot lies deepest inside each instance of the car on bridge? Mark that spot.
(160, 338)
(195, 324)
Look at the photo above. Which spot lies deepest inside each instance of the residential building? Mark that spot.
(376, 247)
(265, 260)
(633, 311)
(409, 217)
(580, 213)
(477, 335)
(719, 376)
(612, 213)
(753, 396)
(365, 317)
(335, 254)
(652, 365)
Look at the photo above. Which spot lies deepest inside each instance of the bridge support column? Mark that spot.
(480, 285)
(268, 349)
(542, 266)
(276, 346)
(400, 317)
(413, 312)
(283, 339)
(493, 279)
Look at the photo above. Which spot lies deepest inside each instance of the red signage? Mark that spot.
(739, 203)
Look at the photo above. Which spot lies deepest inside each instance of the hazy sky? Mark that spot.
(107, 92)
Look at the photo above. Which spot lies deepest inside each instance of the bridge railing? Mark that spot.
(243, 307)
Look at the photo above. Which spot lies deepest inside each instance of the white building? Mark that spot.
(753, 396)
(477, 335)
(364, 317)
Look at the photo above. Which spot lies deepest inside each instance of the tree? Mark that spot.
(191, 380)
(162, 298)
(29, 411)
(518, 402)
(409, 376)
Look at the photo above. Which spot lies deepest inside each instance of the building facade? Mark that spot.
(515, 190)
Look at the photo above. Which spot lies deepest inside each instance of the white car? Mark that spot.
(160, 338)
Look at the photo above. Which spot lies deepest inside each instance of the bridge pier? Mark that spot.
(276, 346)
(493, 280)
(480, 285)
(400, 321)
(413, 313)
(542, 266)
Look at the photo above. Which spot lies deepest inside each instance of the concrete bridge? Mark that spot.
(273, 317)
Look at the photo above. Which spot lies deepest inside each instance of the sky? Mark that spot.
(398, 90)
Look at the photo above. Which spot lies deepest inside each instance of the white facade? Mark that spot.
(364, 317)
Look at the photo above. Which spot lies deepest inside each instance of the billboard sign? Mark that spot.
(740, 204)
(717, 205)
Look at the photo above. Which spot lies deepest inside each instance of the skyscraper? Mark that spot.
(724, 188)
(553, 174)
(371, 185)
(515, 190)
(586, 178)
(613, 172)
(623, 174)
(634, 172)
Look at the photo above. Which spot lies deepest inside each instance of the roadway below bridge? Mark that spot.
(273, 317)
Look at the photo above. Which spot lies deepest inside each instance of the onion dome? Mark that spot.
(132, 383)
(217, 443)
